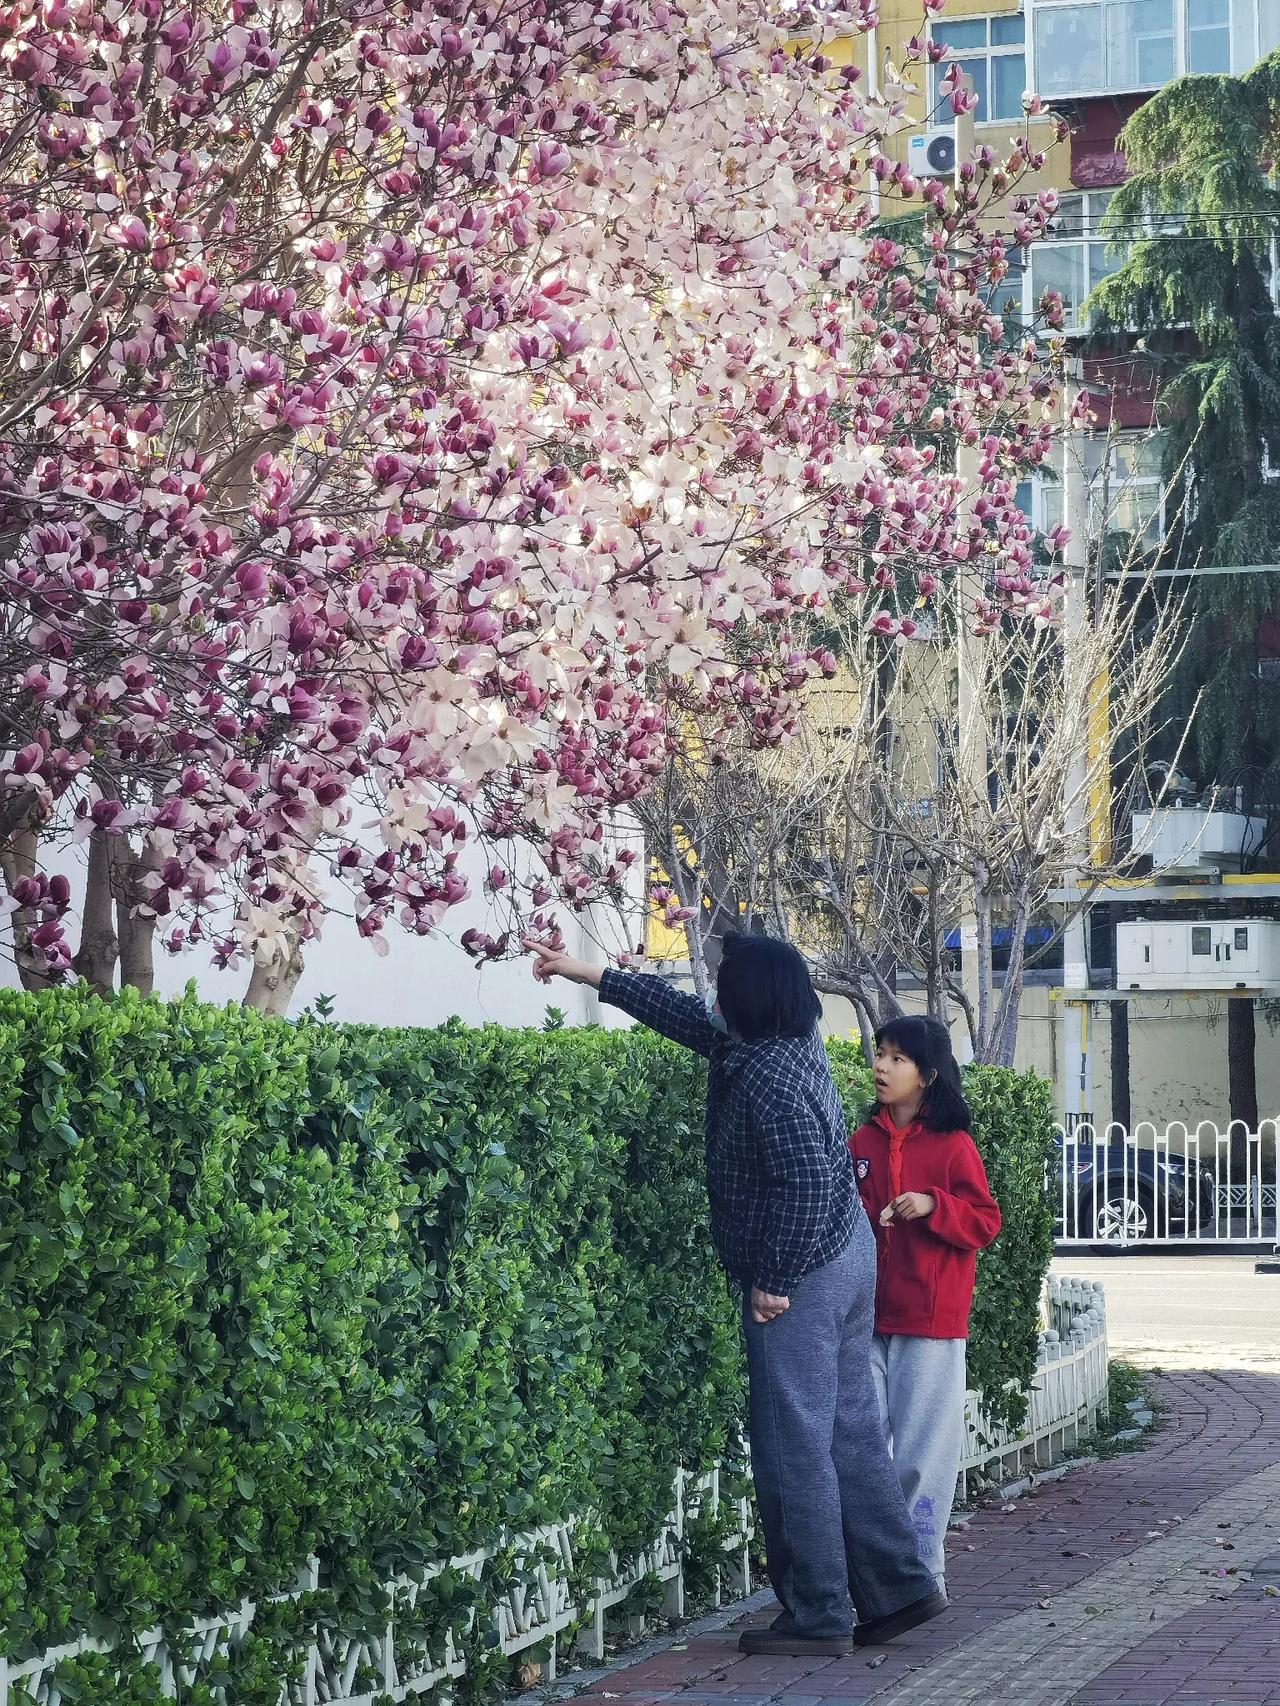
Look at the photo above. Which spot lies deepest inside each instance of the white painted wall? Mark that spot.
(421, 980)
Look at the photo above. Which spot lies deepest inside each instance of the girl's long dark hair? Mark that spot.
(927, 1042)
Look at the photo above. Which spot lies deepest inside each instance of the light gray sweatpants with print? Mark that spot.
(920, 1387)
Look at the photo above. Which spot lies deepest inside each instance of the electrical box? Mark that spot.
(1187, 838)
(1218, 953)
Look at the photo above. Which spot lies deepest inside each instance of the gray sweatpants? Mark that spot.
(835, 1522)
(920, 1385)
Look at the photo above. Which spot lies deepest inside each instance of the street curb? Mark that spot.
(1040, 1478)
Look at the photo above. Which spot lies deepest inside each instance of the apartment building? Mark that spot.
(1094, 62)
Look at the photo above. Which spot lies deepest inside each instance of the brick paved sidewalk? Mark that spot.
(1115, 1586)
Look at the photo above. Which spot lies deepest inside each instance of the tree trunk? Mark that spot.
(688, 887)
(697, 963)
(1009, 1006)
(18, 858)
(273, 981)
(99, 945)
(935, 972)
(866, 1030)
(15, 813)
(847, 980)
(1121, 1091)
(983, 1031)
(137, 930)
(702, 981)
(1242, 1065)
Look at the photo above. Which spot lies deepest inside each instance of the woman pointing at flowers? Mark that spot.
(793, 1238)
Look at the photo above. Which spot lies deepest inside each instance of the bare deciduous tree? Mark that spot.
(887, 818)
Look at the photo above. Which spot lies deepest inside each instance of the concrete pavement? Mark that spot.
(1152, 1579)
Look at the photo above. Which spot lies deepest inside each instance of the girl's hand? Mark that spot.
(765, 1306)
(549, 963)
(911, 1205)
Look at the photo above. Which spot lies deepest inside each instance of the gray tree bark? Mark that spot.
(137, 930)
(99, 950)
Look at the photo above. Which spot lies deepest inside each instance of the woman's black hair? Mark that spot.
(764, 989)
(927, 1042)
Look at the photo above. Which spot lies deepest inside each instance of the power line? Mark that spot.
(1194, 573)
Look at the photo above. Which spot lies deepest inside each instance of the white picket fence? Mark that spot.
(389, 1664)
(1068, 1394)
(1177, 1185)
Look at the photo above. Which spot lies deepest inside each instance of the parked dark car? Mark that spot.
(1117, 1193)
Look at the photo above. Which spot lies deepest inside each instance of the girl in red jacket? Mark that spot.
(925, 1191)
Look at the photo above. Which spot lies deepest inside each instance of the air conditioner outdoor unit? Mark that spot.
(932, 154)
(1219, 953)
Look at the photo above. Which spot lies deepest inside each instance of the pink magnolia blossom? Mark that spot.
(400, 436)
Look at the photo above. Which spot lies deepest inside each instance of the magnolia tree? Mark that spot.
(409, 414)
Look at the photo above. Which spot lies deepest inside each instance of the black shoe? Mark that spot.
(877, 1630)
(779, 1643)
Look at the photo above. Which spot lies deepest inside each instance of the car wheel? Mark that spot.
(1121, 1219)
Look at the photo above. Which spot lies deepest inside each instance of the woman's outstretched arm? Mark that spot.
(651, 1000)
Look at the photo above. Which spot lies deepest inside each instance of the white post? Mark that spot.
(970, 738)
(1077, 1088)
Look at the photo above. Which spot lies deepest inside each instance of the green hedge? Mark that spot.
(271, 1289)
(1013, 1124)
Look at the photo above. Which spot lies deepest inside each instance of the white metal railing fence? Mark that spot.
(1181, 1185)
(390, 1665)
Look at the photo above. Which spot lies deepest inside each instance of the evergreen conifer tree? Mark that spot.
(1201, 212)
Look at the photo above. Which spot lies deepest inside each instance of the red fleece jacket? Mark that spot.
(926, 1268)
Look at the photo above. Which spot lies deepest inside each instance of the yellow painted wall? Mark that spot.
(900, 20)
(832, 705)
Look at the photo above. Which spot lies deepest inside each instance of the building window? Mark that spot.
(1007, 299)
(992, 51)
(1073, 259)
(1124, 486)
(1208, 36)
(1097, 47)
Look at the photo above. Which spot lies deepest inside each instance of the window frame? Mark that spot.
(1088, 238)
(936, 101)
(1108, 443)
(1090, 234)
(1181, 45)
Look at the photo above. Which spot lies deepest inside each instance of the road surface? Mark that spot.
(1187, 1311)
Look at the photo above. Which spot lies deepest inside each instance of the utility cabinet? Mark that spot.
(1191, 839)
(1219, 953)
